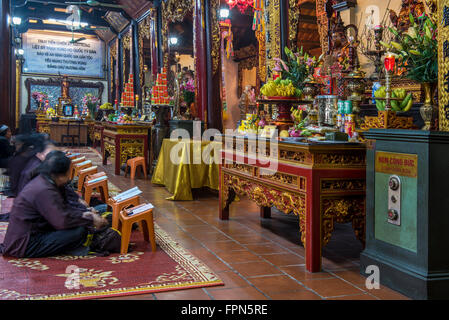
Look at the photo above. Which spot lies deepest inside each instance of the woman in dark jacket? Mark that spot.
(29, 148)
(6, 148)
(41, 222)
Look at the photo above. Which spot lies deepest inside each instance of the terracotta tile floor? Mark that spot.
(256, 258)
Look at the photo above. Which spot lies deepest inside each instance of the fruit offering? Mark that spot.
(296, 114)
(299, 130)
(125, 119)
(51, 112)
(111, 117)
(106, 106)
(403, 105)
(280, 88)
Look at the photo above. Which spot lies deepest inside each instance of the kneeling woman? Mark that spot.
(41, 222)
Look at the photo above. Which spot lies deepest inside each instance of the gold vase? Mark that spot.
(429, 111)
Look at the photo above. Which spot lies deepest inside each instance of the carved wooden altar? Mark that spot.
(321, 183)
(124, 141)
(43, 125)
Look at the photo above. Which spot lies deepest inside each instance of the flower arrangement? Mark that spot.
(188, 91)
(92, 103)
(417, 49)
(50, 112)
(295, 72)
(39, 96)
(298, 67)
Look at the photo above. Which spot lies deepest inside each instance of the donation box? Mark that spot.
(407, 211)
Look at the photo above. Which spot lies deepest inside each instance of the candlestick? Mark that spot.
(389, 66)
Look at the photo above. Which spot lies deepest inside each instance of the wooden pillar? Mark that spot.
(118, 72)
(284, 26)
(214, 105)
(7, 115)
(159, 44)
(119, 69)
(136, 57)
(199, 50)
(154, 43)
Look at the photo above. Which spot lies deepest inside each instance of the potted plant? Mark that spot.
(417, 52)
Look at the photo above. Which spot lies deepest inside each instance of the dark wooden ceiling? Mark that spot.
(308, 35)
(100, 17)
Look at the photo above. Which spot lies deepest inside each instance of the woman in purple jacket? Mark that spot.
(42, 223)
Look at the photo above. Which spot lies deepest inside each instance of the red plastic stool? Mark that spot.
(101, 186)
(80, 166)
(72, 165)
(83, 175)
(133, 164)
(147, 225)
(117, 207)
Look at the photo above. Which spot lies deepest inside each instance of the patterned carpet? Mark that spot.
(140, 271)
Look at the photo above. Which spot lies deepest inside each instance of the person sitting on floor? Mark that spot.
(31, 171)
(42, 224)
(29, 148)
(6, 148)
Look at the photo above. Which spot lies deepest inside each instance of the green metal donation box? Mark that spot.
(407, 211)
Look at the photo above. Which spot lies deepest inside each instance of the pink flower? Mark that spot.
(277, 67)
(283, 64)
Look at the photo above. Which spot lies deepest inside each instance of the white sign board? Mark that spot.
(52, 53)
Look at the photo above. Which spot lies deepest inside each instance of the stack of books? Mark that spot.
(127, 194)
(140, 209)
(97, 180)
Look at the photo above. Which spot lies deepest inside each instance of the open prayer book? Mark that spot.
(83, 163)
(97, 179)
(89, 169)
(127, 194)
(140, 209)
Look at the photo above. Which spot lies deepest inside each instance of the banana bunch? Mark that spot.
(296, 114)
(396, 105)
(106, 106)
(280, 88)
(269, 89)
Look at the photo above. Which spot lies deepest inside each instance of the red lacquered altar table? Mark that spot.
(322, 183)
(123, 141)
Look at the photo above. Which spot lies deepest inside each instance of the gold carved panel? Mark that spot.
(264, 196)
(342, 185)
(343, 210)
(273, 43)
(144, 34)
(443, 65)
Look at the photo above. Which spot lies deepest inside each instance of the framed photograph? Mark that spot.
(67, 110)
(268, 132)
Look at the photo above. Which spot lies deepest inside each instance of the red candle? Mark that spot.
(389, 62)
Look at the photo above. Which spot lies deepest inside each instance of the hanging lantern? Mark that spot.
(241, 4)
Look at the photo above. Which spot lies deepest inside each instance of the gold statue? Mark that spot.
(402, 21)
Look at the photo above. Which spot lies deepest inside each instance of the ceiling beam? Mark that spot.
(308, 5)
(302, 2)
(48, 13)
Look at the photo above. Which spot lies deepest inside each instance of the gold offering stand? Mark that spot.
(283, 105)
(355, 82)
(388, 119)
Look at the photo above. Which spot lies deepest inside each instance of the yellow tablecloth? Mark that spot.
(190, 168)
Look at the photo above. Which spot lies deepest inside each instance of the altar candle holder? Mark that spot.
(389, 63)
